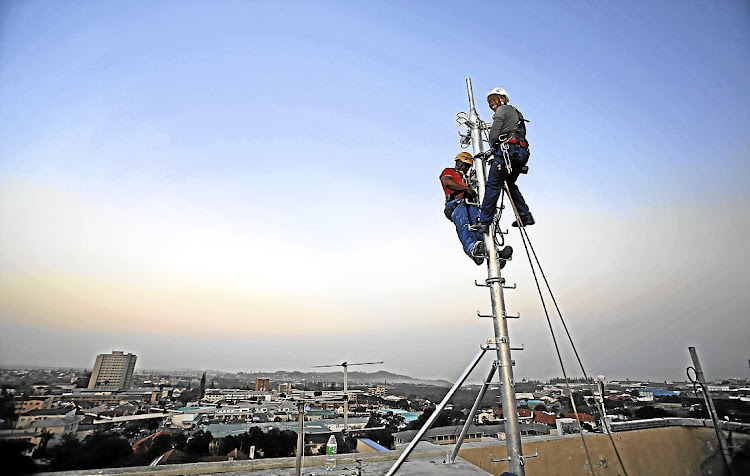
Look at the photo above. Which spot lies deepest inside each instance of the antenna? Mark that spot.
(346, 365)
(500, 343)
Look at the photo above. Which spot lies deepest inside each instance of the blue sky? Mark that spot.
(253, 185)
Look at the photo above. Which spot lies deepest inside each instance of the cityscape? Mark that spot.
(62, 418)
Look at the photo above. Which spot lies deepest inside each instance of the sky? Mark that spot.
(253, 186)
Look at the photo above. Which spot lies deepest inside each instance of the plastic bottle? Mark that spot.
(331, 449)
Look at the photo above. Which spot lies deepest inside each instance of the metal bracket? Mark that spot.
(521, 458)
(512, 364)
(508, 287)
(483, 285)
(488, 347)
(519, 348)
(517, 316)
(484, 315)
(489, 281)
(496, 340)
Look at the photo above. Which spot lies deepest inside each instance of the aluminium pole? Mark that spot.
(346, 399)
(470, 416)
(711, 410)
(300, 437)
(502, 339)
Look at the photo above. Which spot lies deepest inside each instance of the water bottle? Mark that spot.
(331, 449)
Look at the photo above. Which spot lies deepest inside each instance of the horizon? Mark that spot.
(469, 380)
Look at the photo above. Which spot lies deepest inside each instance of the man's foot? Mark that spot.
(526, 220)
(477, 252)
(504, 255)
(481, 227)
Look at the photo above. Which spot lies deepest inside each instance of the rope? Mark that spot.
(527, 245)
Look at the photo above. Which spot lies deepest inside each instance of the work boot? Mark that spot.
(477, 252)
(504, 255)
(482, 228)
(526, 220)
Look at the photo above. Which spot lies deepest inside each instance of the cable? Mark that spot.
(527, 245)
(552, 332)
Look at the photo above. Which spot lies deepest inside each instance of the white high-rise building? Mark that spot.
(112, 371)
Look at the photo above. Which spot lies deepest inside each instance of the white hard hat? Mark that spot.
(500, 91)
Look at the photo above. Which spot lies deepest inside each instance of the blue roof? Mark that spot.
(408, 416)
(373, 445)
(659, 392)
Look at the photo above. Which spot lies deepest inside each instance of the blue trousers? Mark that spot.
(463, 215)
(519, 156)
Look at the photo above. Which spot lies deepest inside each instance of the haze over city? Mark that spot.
(254, 185)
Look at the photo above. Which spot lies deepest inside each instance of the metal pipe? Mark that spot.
(510, 411)
(470, 417)
(712, 410)
(346, 399)
(300, 438)
(435, 414)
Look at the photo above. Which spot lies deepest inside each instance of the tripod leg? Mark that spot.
(470, 417)
(435, 414)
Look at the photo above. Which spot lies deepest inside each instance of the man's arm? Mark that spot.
(451, 184)
(498, 121)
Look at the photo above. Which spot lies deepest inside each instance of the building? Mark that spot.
(23, 405)
(112, 371)
(377, 391)
(262, 384)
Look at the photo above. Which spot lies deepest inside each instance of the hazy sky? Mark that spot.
(253, 185)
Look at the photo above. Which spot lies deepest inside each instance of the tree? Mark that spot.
(105, 450)
(540, 407)
(66, 455)
(198, 443)
(203, 386)
(14, 458)
(446, 418)
(646, 412)
(7, 410)
(45, 436)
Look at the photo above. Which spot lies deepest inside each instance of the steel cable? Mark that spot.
(527, 245)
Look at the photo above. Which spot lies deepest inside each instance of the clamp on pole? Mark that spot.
(522, 458)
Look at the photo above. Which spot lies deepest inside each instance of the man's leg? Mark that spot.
(519, 160)
(518, 200)
(492, 191)
(460, 218)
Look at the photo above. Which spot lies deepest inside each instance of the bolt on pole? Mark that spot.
(502, 339)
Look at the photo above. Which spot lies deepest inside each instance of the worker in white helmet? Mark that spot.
(508, 132)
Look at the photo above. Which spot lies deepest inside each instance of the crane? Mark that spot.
(346, 365)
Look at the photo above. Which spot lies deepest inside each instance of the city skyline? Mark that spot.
(245, 185)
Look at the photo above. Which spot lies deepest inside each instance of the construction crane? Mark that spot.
(346, 385)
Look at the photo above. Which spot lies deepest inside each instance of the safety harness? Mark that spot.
(517, 137)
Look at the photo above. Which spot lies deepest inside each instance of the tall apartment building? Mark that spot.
(262, 384)
(112, 371)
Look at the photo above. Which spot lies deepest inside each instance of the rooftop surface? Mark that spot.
(424, 461)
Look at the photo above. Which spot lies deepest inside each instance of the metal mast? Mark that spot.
(499, 315)
(500, 343)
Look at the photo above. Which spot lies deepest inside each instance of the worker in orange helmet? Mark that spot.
(461, 209)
